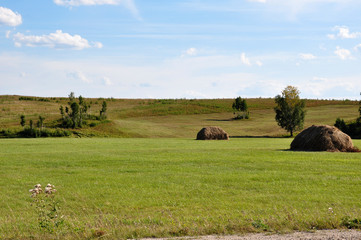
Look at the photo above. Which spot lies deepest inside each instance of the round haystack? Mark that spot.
(212, 133)
(323, 138)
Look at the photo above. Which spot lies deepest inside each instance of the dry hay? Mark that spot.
(323, 138)
(212, 133)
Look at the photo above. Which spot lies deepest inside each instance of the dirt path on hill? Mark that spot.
(317, 235)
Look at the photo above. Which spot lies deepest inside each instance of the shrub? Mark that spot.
(351, 223)
(353, 129)
(8, 133)
(340, 124)
(36, 133)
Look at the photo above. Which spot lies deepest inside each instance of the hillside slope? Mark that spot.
(172, 117)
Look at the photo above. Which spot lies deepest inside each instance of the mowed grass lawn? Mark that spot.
(132, 188)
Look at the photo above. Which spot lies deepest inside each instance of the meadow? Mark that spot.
(138, 187)
(171, 118)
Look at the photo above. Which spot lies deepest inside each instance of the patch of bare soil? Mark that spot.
(317, 235)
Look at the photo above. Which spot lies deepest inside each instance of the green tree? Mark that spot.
(83, 110)
(22, 120)
(71, 97)
(240, 106)
(290, 112)
(40, 122)
(359, 109)
(74, 114)
(103, 111)
(62, 112)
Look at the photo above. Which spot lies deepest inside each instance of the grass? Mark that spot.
(167, 118)
(132, 188)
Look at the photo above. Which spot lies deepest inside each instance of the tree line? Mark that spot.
(74, 115)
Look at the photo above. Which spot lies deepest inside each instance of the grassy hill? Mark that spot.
(152, 118)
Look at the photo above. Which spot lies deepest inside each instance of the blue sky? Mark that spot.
(180, 48)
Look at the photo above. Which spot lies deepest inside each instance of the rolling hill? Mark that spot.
(154, 118)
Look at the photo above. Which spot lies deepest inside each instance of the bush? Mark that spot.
(93, 124)
(351, 223)
(8, 133)
(27, 99)
(353, 129)
(36, 133)
(340, 124)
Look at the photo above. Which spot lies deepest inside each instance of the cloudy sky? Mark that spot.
(180, 48)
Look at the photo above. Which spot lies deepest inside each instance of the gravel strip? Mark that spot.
(317, 235)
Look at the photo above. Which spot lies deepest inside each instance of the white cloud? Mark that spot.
(307, 56)
(9, 18)
(211, 77)
(245, 60)
(69, 3)
(320, 79)
(129, 4)
(292, 8)
(7, 34)
(343, 53)
(259, 63)
(107, 81)
(97, 44)
(260, 1)
(195, 94)
(331, 87)
(22, 75)
(344, 33)
(191, 51)
(356, 48)
(78, 76)
(58, 40)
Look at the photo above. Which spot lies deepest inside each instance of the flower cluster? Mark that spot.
(47, 208)
(37, 190)
(49, 189)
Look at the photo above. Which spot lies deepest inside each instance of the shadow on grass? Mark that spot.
(221, 120)
(246, 136)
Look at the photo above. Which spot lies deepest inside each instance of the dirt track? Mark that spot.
(317, 235)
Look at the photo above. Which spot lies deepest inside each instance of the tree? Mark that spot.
(22, 120)
(240, 105)
(83, 110)
(71, 97)
(359, 109)
(103, 111)
(76, 113)
(40, 123)
(290, 113)
(62, 112)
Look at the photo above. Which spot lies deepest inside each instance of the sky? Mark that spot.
(180, 48)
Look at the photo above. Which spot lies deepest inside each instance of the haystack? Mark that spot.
(323, 138)
(212, 133)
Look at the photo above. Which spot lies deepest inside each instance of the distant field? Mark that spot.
(180, 118)
(131, 188)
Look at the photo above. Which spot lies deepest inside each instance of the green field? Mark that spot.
(132, 188)
(172, 118)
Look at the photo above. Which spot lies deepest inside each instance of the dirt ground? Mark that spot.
(317, 235)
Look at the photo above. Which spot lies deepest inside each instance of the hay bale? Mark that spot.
(212, 133)
(323, 138)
